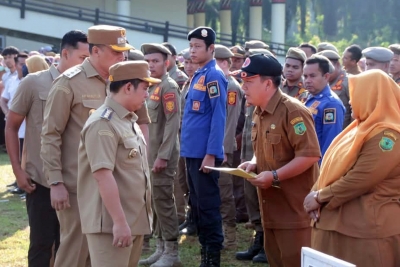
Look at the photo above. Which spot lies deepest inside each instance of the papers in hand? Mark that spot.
(234, 171)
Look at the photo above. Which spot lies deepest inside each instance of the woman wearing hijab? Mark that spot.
(355, 203)
(36, 63)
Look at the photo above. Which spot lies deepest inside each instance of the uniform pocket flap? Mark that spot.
(92, 103)
(153, 104)
(43, 95)
(274, 138)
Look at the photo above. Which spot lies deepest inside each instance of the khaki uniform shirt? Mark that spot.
(73, 97)
(365, 202)
(112, 140)
(178, 76)
(247, 152)
(29, 101)
(234, 99)
(164, 109)
(283, 131)
(297, 91)
(341, 87)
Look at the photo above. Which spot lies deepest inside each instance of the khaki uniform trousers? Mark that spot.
(283, 246)
(73, 250)
(104, 254)
(365, 252)
(227, 208)
(165, 218)
(252, 205)
(181, 190)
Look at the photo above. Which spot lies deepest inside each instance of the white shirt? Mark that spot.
(8, 93)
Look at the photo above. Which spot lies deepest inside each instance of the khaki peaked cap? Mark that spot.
(114, 37)
(129, 70)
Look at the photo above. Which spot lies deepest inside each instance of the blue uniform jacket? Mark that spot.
(328, 112)
(203, 123)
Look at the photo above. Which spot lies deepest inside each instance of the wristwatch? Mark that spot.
(275, 180)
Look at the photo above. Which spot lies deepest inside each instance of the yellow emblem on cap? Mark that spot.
(132, 153)
(123, 33)
(110, 78)
(204, 33)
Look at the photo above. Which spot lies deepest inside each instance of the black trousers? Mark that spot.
(45, 229)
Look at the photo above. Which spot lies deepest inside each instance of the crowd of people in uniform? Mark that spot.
(118, 142)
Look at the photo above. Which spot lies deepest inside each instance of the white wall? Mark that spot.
(23, 44)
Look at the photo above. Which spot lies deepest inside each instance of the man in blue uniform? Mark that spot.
(326, 107)
(202, 140)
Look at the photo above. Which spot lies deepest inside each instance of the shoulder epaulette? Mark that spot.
(72, 72)
(107, 114)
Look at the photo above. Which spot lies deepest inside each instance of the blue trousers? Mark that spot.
(205, 202)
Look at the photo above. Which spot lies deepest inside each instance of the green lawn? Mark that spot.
(14, 231)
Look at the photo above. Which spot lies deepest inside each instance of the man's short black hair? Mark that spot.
(20, 55)
(10, 50)
(276, 80)
(323, 64)
(307, 45)
(355, 51)
(115, 86)
(72, 38)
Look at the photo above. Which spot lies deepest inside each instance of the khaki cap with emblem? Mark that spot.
(222, 52)
(255, 44)
(150, 48)
(114, 37)
(380, 54)
(238, 51)
(326, 46)
(135, 54)
(395, 48)
(257, 51)
(129, 70)
(296, 53)
(319, 56)
(330, 54)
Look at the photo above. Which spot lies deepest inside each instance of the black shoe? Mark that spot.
(17, 191)
(190, 230)
(253, 250)
(12, 185)
(213, 259)
(260, 257)
(183, 225)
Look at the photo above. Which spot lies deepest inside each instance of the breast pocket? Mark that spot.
(89, 105)
(197, 103)
(152, 107)
(273, 146)
(130, 153)
(43, 99)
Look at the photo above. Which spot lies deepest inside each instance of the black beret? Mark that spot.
(205, 33)
(259, 64)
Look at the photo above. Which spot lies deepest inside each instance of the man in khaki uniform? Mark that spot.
(164, 110)
(308, 49)
(73, 97)
(28, 103)
(377, 58)
(394, 67)
(293, 71)
(326, 46)
(234, 100)
(188, 227)
(286, 153)
(174, 72)
(239, 55)
(351, 57)
(115, 210)
(338, 81)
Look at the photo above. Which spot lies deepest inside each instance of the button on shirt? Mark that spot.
(204, 114)
(328, 113)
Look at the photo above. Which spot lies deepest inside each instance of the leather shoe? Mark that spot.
(260, 257)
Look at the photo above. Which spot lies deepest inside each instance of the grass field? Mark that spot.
(14, 231)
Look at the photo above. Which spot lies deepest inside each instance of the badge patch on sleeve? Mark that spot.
(232, 98)
(213, 89)
(386, 144)
(300, 128)
(169, 106)
(329, 116)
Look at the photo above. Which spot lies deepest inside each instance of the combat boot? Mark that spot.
(156, 255)
(261, 257)
(253, 250)
(170, 256)
(230, 237)
(213, 259)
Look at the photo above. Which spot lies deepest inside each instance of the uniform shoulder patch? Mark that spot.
(71, 72)
(299, 128)
(107, 114)
(329, 116)
(232, 98)
(386, 144)
(213, 89)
